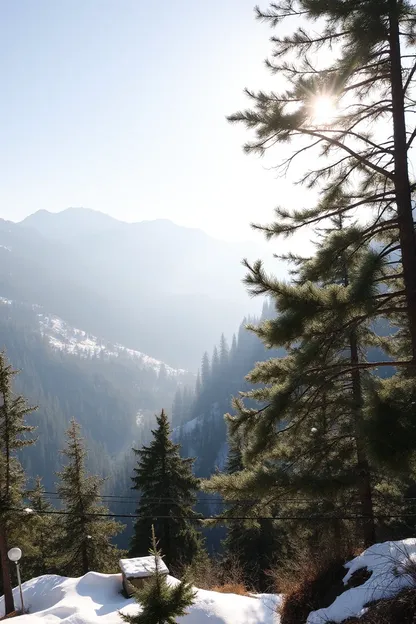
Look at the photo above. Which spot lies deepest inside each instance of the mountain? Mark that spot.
(153, 286)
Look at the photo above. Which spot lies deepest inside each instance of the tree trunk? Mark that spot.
(5, 572)
(362, 467)
(401, 177)
(85, 559)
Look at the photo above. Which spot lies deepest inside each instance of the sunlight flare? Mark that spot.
(323, 109)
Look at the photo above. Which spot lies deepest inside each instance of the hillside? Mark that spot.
(111, 390)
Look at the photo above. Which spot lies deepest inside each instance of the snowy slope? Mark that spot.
(96, 599)
(63, 337)
(393, 567)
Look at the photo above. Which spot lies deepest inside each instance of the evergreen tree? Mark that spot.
(198, 385)
(215, 364)
(160, 602)
(13, 437)
(205, 371)
(86, 541)
(255, 545)
(233, 350)
(313, 397)
(224, 353)
(177, 408)
(167, 490)
(42, 534)
(363, 150)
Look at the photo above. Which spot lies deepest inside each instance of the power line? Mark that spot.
(218, 518)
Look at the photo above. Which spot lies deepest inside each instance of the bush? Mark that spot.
(211, 573)
(312, 581)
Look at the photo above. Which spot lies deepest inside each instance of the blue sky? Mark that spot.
(120, 105)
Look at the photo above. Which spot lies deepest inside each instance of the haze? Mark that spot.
(120, 107)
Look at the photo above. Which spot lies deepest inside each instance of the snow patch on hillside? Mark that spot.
(393, 567)
(97, 599)
(64, 337)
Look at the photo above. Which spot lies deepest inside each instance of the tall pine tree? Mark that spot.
(14, 435)
(167, 490)
(307, 439)
(86, 541)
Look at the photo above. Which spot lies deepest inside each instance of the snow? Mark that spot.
(141, 567)
(97, 599)
(63, 337)
(393, 567)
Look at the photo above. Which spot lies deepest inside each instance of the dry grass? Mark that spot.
(212, 574)
(232, 588)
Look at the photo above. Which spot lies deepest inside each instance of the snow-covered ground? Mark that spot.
(97, 599)
(393, 567)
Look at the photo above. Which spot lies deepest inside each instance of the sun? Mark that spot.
(323, 109)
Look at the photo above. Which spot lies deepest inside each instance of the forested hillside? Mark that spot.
(199, 418)
(111, 394)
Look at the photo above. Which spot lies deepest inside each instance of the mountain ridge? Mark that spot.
(154, 286)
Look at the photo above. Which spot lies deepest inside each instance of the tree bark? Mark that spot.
(5, 572)
(407, 235)
(362, 467)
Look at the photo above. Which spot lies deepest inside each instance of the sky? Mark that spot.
(120, 106)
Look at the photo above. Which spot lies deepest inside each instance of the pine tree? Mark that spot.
(86, 541)
(233, 350)
(255, 546)
(198, 385)
(205, 371)
(215, 364)
(13, 437)
(224, 353)
(161, 603)
(167, 491)
(177, 408)
(310, 439)
(42, 534)
(367, 70)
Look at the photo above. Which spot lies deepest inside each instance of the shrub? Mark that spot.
(311, 581)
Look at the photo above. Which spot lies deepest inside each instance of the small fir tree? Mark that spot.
(86, 542)
(161, 603)
(167, 490)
